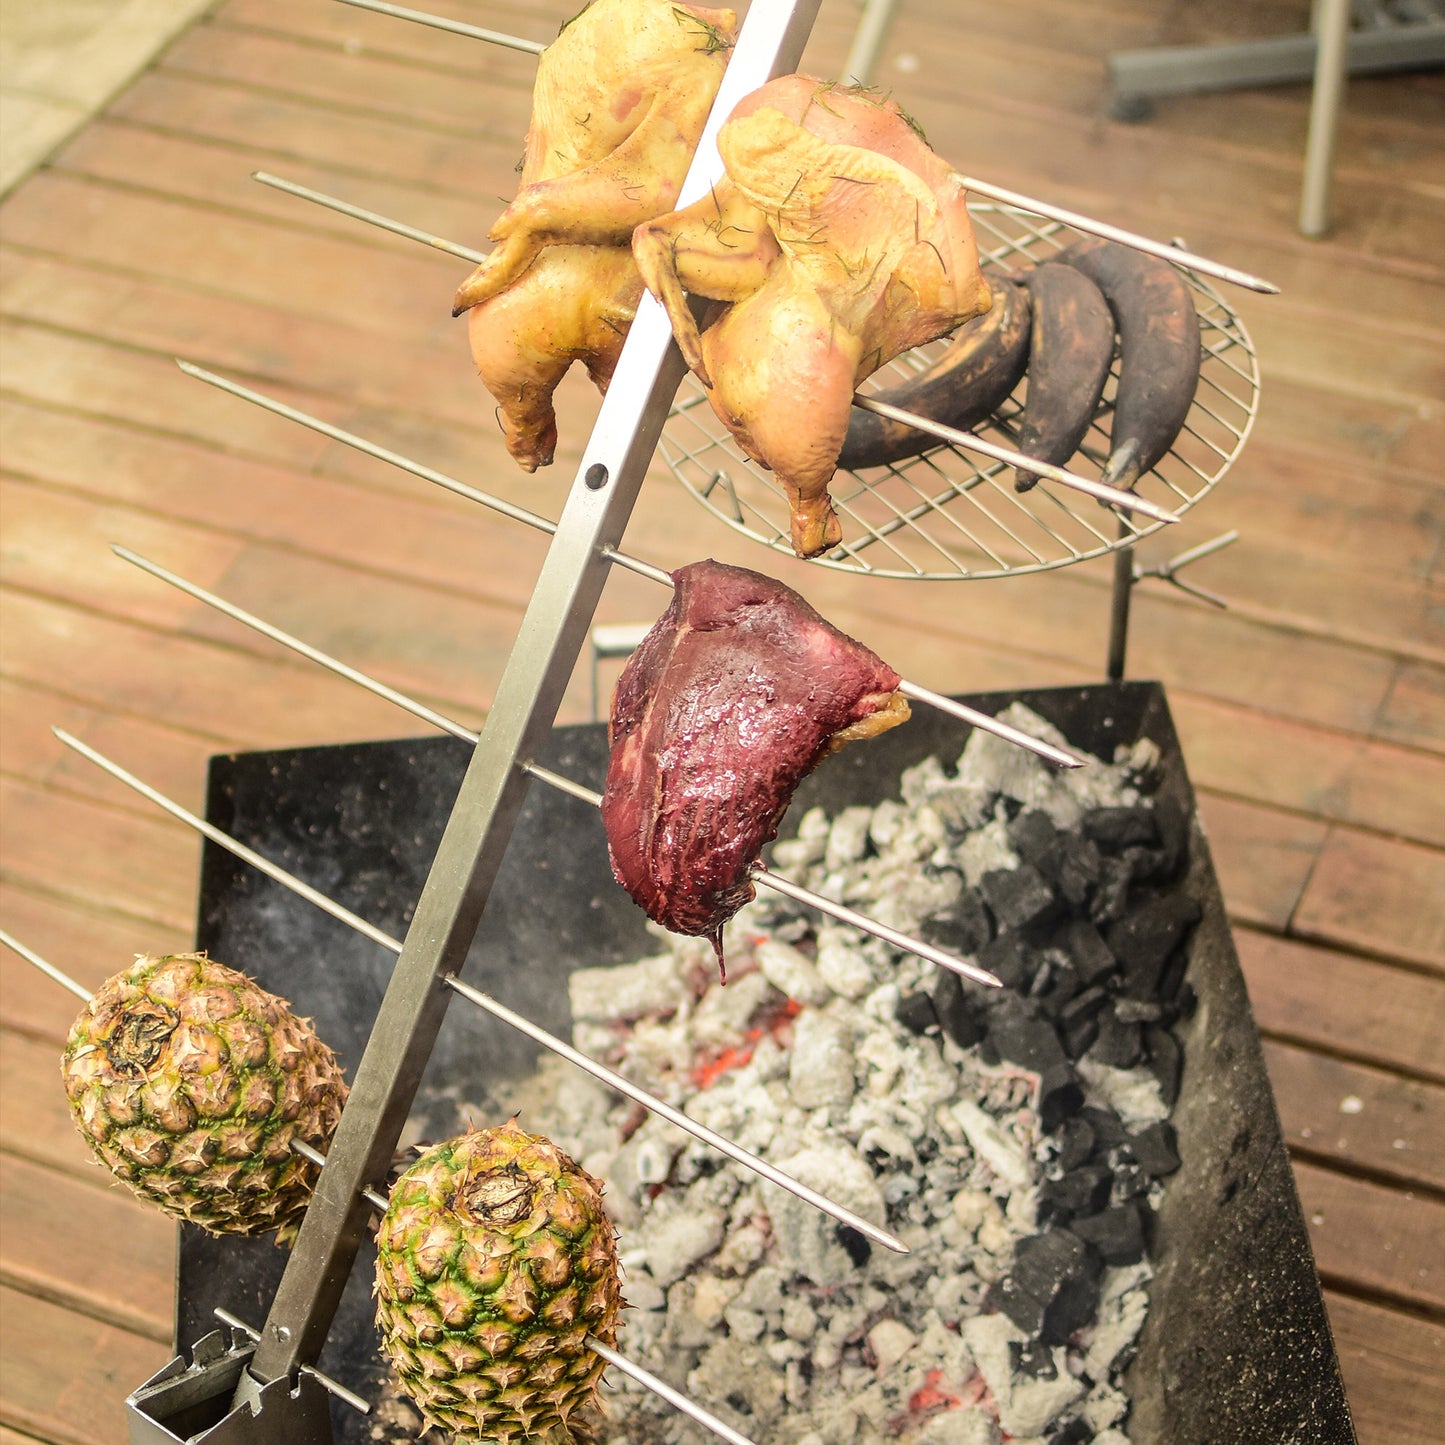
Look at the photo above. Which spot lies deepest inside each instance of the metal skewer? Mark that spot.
(332, 1387)
(1080, 222)
(764, 876)
(962, 711)
(49, 969)
(438, 22)
(1116, 233)
(549, 1041)
(1113, 496)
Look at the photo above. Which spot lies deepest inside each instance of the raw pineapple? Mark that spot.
(495, 1261)
(189, 1081)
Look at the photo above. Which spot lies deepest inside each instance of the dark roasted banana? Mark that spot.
(1158, 327)
(1069, 356)
(962, 388)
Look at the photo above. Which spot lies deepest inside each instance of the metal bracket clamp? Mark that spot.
(551, 636)
(193, 1404)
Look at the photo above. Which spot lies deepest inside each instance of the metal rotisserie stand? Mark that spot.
(1237, 1345)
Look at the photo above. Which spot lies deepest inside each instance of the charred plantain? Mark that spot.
(963, 387)
(1158, 351)
(1070, 352)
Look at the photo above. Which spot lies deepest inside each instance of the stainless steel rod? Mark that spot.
(1125, 501)
(523, 1025)
(718, 1141)
(306, 1151)
(372, 218)
(332, 1387)
(457, 27)
(48, 969)
(1116, 233)
(674, 1397)
(761, 875)
(959, 710)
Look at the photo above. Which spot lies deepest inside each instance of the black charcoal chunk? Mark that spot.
(1053, 1288)
(1077, 1432)
(1034, 838)
(1156, 1147)
(1054, 985)
(1166, 1062)
(1120, 828)
(1108, 1127)
(1032, 1358)
(916, 1013)
(1079, 867)
(1083, 1005)
(1138, 1010)
(1081, 1191)
(1089, 954)
(1079, 1034)
(1117, 1234)
(1119, 1044)
(1016, 896)
(960, 1015)
(860, 1251)
(1173, 823)
(1111, 892)
(1076, 1143)
(1009, 959)
(963, 928)
(1130, 1181)
(1144, 939)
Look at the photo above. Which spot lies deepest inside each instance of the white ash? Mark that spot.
(790, 1329)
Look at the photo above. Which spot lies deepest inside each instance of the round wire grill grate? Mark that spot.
(948, 514)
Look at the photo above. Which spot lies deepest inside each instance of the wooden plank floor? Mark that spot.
(1313, 713)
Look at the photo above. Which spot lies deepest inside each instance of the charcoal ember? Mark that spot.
(1108, 1127)
(1084, 1004)
(1053, 1288)
(1079, 867)
(1009, 959)
(1118, 1044)
(1116, 1233)
(860, 1251)
(1084, 1190)
(1034, 838)
(1171, 979)
(1078, 1034)
(1118, 828)
(964, 927)
(1076, 1143)
(1130, 1179)
(1156, 1147)
(1111, 893)
(956, 1010)
(1090, 955)
(1076, 1432)
(1138, 1010)
(916, 1013)
(1016, 897)
(1032, 1358)
(1016, 1033)
(1165, 1060)
(1172, 819)
(1053, 986)
(1143, 940)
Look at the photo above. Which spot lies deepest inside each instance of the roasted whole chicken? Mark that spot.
(620, 100)
(837, 240)
(735, 695)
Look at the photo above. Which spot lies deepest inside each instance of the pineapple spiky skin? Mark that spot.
(495, 1261)
(190, 1081)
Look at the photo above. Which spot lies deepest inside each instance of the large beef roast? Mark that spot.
(737, 693)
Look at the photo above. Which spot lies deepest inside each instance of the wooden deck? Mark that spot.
(1313, 712)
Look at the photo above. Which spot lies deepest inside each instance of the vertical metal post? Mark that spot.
(1119, 612)
(1332, 38)
(868, 41)
(490, 797)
